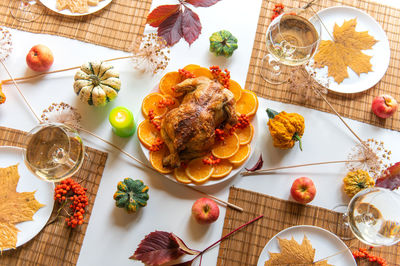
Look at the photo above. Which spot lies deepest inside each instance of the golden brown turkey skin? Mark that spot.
(189, 130)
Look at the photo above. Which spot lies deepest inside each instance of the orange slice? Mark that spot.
(151, 102)
(199, 172)
(191, 67)
(236, 89)
(247, 104)
(245, 135)
(226, 148)
(242, 154)
(168, 81)
(147, 133)
(156, 158)
(202, 72)
(222, 169)
(181, 176)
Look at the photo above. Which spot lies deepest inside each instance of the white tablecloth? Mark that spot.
(113, 235)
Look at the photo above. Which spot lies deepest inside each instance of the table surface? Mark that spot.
(113, 235)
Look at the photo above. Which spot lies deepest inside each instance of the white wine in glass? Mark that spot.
(374, 216)
(292, 39)
(53, 151)
(25, 10)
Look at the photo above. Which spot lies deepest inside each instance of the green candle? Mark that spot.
(122, 122)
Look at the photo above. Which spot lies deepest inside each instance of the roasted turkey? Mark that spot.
(189, 130)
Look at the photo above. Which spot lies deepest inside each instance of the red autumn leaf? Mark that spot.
(391, 178)
(257, 166)
(171, 28)
(161, 13)
(202, 3)
(160, 247)
(191, 27)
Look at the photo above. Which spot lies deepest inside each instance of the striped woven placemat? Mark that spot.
(244, 247)
(355, 106)
(115, 26)
(56, 244)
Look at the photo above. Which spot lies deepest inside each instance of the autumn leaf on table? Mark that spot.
(177, 21)
(345, 51)
(15, 207)
(160, 247)
(292, 253)
(391, 177)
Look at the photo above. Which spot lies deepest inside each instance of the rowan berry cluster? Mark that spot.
(69, 190)
(153, 121)
(157, 145)
(362, 253)
(165, 103)
(243, 122)
(222, 77)
(186, 74)
(219, 134)
(211, 160)
(278, 9)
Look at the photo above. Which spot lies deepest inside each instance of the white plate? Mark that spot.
(380, 52)
(28, 182)
(211, 181)
(51, 4)
(324, 242)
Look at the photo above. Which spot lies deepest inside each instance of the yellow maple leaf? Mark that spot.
(292, 253)
(15, 207)
(345, 51)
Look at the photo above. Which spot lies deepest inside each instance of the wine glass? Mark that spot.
(25, 10)
(53, 151)
(292, 39)
(373, 216)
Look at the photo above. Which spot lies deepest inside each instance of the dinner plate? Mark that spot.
(51, 4)
(380, 52)
(211, 181)
(28, 182)
(324, 242)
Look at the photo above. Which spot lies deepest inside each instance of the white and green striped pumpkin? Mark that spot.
(97, 83)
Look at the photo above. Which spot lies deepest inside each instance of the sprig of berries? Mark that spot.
(157, 145)
(2, 97)
(222, 77)
(153, 121)
(219, 134)
(362, 253)
(165, 102)
(69, 190)
(278, 9)
(243, 122)
(186, 74)
(211, 160)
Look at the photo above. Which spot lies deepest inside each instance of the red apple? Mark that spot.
(303, 190)
(40, 58)
(205, 211)
(384, 106)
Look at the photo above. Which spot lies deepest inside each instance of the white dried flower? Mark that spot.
(62, 113)
(150, 54)
(303, 83)
(372, 157)
(5, 43)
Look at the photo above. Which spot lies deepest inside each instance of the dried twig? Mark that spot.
(263, 171)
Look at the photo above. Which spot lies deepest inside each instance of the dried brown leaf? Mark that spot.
(15, 207)
(293, 253)
(345, 51)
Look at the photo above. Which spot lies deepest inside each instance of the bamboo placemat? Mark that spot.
(355, 106)
(245, 246)
(114, 26)
(56, 244)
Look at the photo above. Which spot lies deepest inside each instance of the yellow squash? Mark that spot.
(356, 181)
(285, 128)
